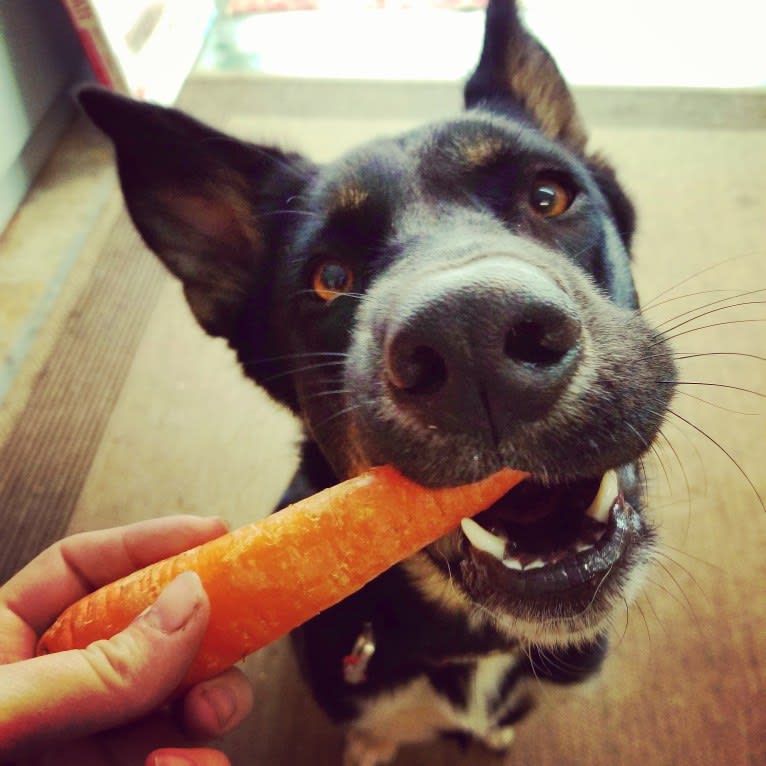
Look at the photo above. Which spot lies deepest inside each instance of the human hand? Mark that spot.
(103, 704)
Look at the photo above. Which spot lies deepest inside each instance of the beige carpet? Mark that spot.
(136, 413)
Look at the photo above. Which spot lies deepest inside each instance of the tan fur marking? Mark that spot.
(440, 590)
(478, 153)
(349, 198)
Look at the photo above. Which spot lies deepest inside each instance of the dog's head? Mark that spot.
(450, 301)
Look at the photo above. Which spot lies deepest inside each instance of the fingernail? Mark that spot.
(176, 604)
(170, 758)
(219, 519)
(223, 703)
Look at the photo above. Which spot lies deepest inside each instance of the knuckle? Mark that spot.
(118, 668)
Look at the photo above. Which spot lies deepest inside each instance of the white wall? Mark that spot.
(40, 60)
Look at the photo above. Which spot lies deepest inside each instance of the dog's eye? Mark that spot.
(550, 198)
(331, 279)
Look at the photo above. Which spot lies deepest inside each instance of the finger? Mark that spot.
(187, 757)
(216, 706)
(77, 565)
(127, 745)
(73, 693)
(200, 716)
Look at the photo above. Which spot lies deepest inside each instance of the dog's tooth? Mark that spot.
(483, 539)
(602, 504)
(536, 564)
(582, 547)
(512, 563)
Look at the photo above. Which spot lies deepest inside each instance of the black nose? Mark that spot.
(486, 345)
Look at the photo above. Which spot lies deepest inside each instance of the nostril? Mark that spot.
(421, 371)
(542, 343)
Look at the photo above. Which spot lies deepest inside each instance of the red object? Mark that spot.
(97, 48)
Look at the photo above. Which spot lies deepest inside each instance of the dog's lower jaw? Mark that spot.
(530, 627)
(555, 634)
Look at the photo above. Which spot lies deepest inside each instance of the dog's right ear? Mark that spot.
(199, 198)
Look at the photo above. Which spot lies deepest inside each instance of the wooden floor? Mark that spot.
(135, 413)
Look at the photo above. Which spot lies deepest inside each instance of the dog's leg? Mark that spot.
(363, 748)
(500, 739)
(412, 714)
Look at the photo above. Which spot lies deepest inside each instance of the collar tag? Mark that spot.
(355, 664)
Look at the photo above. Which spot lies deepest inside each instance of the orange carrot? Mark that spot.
(268, 577)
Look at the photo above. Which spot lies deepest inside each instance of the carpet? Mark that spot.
(136, 413)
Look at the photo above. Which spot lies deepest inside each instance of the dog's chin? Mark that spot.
(545, 564)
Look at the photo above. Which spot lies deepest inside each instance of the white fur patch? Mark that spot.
(417, 713)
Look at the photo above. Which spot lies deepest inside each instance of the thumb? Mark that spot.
(78, 692)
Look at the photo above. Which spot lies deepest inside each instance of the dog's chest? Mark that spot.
(480, 698)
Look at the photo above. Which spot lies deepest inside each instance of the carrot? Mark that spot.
(268, 577)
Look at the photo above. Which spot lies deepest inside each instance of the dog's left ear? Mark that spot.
(517, 75)
(201, 200)
(516, 72)
(623, 212)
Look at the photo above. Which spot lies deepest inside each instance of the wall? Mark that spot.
(40, 61)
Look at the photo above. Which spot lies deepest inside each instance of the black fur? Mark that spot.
(478, 332)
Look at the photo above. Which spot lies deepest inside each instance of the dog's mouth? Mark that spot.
(551, 548)
(554, 538)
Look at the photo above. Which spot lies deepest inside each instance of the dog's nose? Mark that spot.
(490, 343)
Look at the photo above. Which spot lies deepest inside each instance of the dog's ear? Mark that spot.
(199, 198)
(622, 209)
(516, 72)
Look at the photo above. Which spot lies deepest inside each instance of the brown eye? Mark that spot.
(549, 198)
(331, 279)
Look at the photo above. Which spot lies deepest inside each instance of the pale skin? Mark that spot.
(104, 704)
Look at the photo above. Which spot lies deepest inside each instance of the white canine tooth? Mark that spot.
(536, 564)
(582, 547)
(607, 493)
(513, 564)
(483, 539)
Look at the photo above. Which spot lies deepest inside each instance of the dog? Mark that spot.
(449, 301)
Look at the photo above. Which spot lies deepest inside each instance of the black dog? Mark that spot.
(450, 301)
